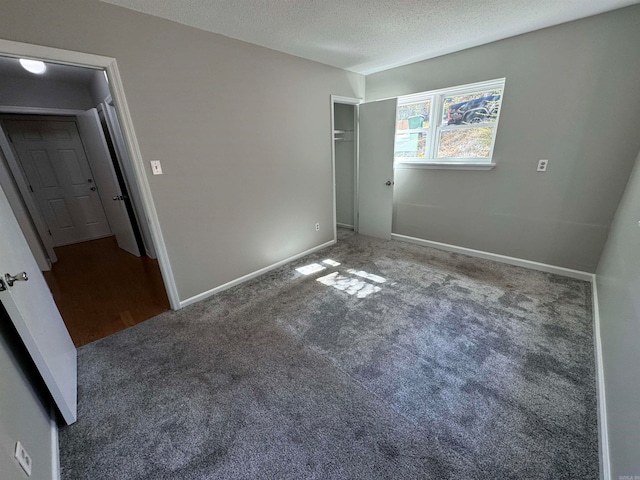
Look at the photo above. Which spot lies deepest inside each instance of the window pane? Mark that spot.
(465, 143)
(413, 115)
(479, 107)
(411, 145)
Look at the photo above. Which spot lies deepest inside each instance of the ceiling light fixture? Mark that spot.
(33, 66)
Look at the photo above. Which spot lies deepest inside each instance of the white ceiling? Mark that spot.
(367, 36)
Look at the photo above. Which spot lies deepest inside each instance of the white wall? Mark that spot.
(23, 416)
(243, 133)
(618, 283)
(572, 97)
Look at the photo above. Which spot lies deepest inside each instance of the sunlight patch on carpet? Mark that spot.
(309, 269)
(350, 285)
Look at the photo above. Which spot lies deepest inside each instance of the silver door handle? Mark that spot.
(18, 277)
(388, 183)
(117, 197)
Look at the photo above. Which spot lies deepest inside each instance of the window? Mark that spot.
(449, 127)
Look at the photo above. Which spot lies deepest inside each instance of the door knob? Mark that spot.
(388, 183)
(117, 197)
(93, 189)
(18, 277)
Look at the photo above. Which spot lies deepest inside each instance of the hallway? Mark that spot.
(101, 289)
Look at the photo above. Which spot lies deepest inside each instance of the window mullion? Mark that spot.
(436, 112)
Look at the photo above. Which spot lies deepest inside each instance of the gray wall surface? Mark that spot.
(345, 164)
(99, 88)
(618, 282)
(572, 97)
(22, 416)
(41, 92)
(243, 133)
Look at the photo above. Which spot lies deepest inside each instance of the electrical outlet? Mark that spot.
(23, 458)
(156, 168)
(317, 227)
(542, 165)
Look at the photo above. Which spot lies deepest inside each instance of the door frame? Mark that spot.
(67, 57)
(354, 102)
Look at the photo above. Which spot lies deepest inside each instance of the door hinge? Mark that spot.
(31, 188)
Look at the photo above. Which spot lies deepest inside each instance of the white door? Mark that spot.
(106, 180)
(126, 166)
(54, 162)
(35, 316)
(375, 180)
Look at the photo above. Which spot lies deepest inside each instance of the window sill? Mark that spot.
(445, 165)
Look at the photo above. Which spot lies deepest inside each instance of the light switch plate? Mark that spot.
(156, 168)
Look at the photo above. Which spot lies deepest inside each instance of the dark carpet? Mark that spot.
(456, 368)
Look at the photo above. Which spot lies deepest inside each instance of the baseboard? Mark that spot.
(345, 225)
(55, 446)
(257, 273)
(605, 461)
(519, 262)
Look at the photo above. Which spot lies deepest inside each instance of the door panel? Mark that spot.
(126, 166)
(375, 196)
(35, 316)
(105, 177)
(53, 159)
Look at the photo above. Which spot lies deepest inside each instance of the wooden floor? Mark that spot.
(101, 289)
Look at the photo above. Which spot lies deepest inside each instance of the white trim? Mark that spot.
(249, 276)
(445, 165)
(55, 446)
(519, 262)
(346, 100)
(603, 429)
(38, 110)
(131, 141)
(67, 57)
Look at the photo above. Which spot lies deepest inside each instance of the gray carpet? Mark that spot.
(457, 368)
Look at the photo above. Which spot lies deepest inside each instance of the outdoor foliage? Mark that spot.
(465, 143)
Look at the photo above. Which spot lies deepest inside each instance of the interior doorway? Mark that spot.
(70, 189)
(344, 118)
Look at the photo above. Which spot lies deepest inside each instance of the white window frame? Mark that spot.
(436, 97)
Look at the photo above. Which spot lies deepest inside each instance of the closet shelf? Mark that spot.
(343, 135)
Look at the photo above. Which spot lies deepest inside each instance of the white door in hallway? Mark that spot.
(106, 180)
(55, 164)
(375, 179)
(35, 316)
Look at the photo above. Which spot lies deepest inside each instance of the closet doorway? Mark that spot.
(345, 162)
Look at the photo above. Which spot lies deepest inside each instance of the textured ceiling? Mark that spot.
(367, 36)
